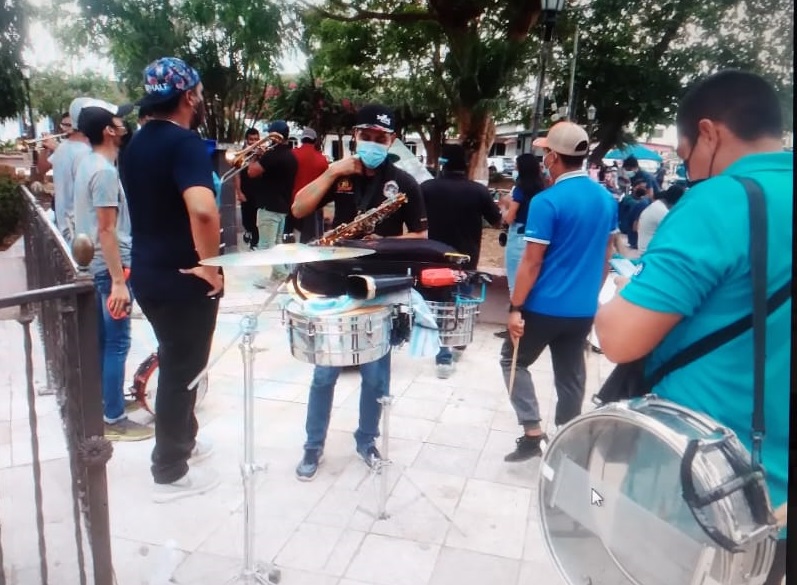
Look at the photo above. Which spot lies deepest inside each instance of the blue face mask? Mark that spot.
(372, 154)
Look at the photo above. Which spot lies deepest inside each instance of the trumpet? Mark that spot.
(240, 159)
(24, 144)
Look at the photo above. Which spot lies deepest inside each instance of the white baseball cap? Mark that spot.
(565, 138)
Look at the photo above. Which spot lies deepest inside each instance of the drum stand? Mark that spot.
(252, 572)
(379, 469)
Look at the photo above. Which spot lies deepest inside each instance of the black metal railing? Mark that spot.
(61, 300)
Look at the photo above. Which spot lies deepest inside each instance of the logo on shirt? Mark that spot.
(345, 186)
(390, 190)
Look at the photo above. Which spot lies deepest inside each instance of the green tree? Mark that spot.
(233, 44)
(52, 91)
(469, 52)
(635, 60)
(13, 31)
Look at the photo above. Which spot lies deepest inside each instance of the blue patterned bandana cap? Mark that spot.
(166, 77)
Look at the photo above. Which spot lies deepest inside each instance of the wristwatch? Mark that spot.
(515, 308)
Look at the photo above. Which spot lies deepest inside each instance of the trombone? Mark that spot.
(239, 160)
(24, 144)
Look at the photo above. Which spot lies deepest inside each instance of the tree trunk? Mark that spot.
(476, 132)
(431, 144)
(609, 133)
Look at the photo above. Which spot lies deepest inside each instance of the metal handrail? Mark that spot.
(50, 293)
(55, 232)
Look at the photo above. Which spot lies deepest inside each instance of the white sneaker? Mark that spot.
(444, 371)
(202, 450)
(196, 481)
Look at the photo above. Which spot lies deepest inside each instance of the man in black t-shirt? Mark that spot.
(168, 179)
(356, 184)
(277, 168)
(457, 208)
(247, 192)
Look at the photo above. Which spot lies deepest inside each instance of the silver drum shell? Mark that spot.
(346, 339)
(455, 321)
(642, 532)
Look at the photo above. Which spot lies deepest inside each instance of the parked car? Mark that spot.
(501, 165)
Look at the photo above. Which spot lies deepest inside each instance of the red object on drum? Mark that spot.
(434, 277)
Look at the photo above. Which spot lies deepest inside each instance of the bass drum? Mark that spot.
(614, 507)
(145, 384)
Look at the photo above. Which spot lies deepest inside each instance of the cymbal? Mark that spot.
(286, 254)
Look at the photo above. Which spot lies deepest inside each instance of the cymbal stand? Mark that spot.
(379, 470)
(252, 572)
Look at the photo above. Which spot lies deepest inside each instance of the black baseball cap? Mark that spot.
(280, 127)
(97, 115)
(375, 117)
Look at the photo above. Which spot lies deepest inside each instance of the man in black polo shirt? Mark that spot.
(457, 208)
(247, 192)
(277, 167)
(356, 184)
(168, 179)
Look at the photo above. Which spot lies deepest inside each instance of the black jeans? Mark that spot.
(184, 331)
(565, 336)
(249, 221)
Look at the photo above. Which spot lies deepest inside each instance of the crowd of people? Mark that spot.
(148, 200)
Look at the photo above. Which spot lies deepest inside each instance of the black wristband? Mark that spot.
(515, 308)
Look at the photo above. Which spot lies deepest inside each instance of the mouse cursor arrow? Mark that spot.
(596, 498)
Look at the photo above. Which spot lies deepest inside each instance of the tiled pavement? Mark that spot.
(458, 515)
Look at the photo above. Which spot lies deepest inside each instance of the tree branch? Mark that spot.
(360, 15)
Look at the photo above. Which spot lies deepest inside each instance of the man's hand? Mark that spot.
(50, 144)
(209, 274)
(240, 197)
(515, 325)
(620, 282)
(351, 165)
(372, 237)
(119, 300)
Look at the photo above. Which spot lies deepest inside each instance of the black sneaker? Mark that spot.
(502, 334)
(308, 466)
(527, 448)
(370, 454)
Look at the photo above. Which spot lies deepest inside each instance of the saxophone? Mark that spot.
(363, 224)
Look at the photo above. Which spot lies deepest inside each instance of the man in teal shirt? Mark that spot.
(695, 279)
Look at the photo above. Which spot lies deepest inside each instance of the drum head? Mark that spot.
(611, 503)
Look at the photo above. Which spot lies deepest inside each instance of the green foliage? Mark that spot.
(233, 44)
(13, 28)
(52, 91)
(636, 60)
(11, 208)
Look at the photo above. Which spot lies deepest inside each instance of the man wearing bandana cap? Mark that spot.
(168, 178)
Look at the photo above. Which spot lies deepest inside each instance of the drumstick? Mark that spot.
(516, 342)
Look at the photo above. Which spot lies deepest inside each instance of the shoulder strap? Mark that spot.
(758, 273)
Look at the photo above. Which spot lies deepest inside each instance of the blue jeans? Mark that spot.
(114, 343)
(375, 384)
(270, 227)
(515, 246)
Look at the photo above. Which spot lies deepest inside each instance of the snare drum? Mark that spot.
(612, 505)
(455, 321)
(344, 339)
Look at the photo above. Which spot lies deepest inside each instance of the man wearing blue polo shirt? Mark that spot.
(569, 240)
(695, 279)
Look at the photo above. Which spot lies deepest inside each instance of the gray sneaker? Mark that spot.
(308, 466)
(196, 481)
(127, 430)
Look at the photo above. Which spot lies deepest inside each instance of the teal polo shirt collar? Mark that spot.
(763, 161)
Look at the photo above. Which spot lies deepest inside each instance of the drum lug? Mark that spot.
(369, 328)
(311, 329)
